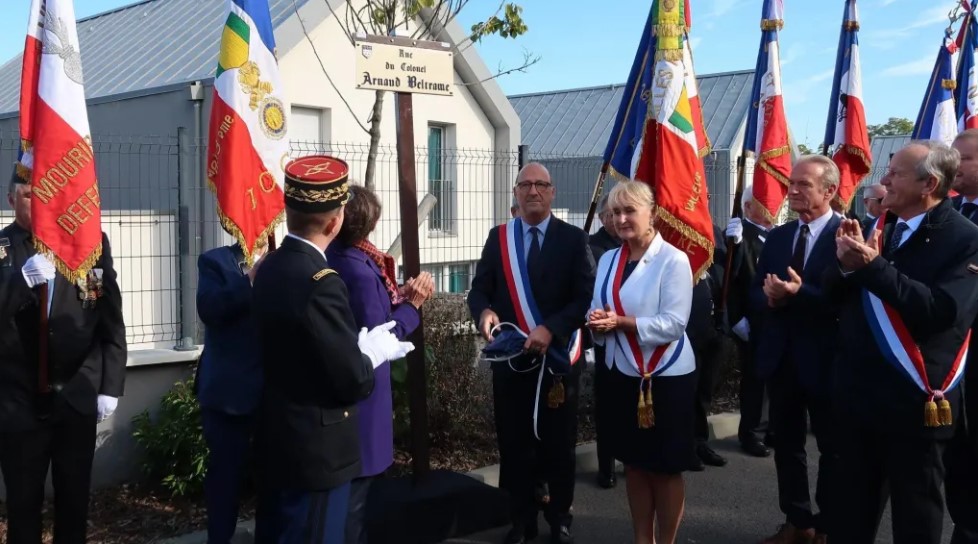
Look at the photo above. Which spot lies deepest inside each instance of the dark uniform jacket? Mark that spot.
(602, 241)
(229, 376)
(746, 254)
(86, 344)
(932, 282)
(562, 286)
(803, 331)
(970, 390)
(701, 327)
(314, 371)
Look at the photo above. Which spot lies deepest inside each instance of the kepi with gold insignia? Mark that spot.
(317, 184)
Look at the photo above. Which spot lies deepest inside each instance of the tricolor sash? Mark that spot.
(662, 357)
(900, 350)
(521, 295)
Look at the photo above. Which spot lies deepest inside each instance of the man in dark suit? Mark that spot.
(229, 380)
(602, 240)
(708, 342)
(796, 344)
(909, 297)
(316, 367)
(561, 279)
(872, 199)
(961, 484)
(86, 372)
(749, 235)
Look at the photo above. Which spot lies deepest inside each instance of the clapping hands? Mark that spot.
(853, 253)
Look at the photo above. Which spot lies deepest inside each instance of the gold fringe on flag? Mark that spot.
(71, 275)
(772, 24)
(856, 152)
(689, 233)
(949, 84)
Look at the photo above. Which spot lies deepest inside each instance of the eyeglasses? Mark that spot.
(868, 198)
(541, 186)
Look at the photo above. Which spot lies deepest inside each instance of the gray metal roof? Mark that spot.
(578, 122)
(881, 148)
(146, 45)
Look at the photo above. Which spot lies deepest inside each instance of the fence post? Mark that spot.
(524, 154)
(187, 240)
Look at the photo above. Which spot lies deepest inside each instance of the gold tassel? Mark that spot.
(930, 414)
(556, 396)
(643, 414)
(944, 412)
(648, 406)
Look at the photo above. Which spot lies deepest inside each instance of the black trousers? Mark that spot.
(356, 526)
(753, 398)
(228, 438)
(520, 453)
(909, 470)
(961, 482)
(791, 402)
(606, 462)
(66, 443)
(708, 349)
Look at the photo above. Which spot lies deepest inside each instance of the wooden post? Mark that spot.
(408, 193)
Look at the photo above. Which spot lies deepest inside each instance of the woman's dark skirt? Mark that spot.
(666, 448)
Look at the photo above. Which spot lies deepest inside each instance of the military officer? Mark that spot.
(316, 366)
(49, 417)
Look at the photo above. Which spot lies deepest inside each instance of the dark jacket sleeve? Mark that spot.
(756, 296)
(14, 292)
(218, 300)
(571, 317)
(926, 309)
(366, 290)
(111, 328)
(484, 281)
(349, 372)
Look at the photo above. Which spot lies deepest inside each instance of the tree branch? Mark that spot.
(323, 67)
(468, 41)
(349, 35)
(528, 60)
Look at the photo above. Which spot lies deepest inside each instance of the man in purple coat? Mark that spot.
(375, 298)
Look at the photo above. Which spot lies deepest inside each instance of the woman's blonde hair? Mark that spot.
(631, 192)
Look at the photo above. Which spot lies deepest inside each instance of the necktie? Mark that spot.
(798, 257)
(533, 257)
(896, 237)
(968, 210)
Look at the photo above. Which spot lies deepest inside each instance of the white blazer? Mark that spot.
(659, 294)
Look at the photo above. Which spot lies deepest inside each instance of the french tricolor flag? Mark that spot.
(56, 145)
(967, 83)
(845, 131)
(937, 119)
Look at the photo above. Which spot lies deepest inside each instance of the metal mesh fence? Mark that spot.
(160, 215)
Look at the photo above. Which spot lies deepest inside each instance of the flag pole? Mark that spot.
(595, 196)
(737, 212)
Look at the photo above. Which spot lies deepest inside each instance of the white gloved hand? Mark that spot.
(106, 406)
(380, 346)
(37, 270)
(735, 230)
(742, 329)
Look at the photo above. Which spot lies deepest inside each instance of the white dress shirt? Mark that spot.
(912, 225)
(528, 238)
(659, 295)
(814, 229)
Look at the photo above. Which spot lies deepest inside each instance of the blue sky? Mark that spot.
(592, 43)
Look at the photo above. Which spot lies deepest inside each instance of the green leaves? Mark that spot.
(511, 25)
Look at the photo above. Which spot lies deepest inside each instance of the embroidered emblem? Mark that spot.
(272, 118)
(249, 76)
(90, 288)
(323, 273)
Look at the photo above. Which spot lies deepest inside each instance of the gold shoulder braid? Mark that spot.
(323, 273)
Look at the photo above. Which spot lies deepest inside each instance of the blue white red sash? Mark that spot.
(518, 284)
(663, 356)
(899, 348)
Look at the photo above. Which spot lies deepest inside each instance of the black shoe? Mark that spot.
(560, 534)
(769, 440)
(519, 534)
(709, 457)
(607, 481)
(754, 447)
(695, 464)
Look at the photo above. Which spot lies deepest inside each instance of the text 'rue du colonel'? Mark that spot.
(63, 172)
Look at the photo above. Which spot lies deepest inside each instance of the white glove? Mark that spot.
(106, 406)
(37, 270)
(742, 329)
(382, 346)
(735, 230)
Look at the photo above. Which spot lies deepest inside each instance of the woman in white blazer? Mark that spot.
(642, 296)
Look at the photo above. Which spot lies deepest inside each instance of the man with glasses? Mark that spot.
(536, 272)
(872, 198)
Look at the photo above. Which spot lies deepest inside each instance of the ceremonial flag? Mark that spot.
(56, 145)
(767, 125)
(845, 132)
(937, 119)
(663, 145)
(967, 84)
(247, 145)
